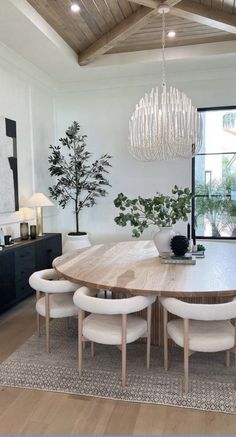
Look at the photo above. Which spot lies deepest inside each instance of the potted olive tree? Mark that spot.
(78, 180)
(161, 211)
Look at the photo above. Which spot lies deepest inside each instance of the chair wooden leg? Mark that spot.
(165, 318)
(186, 355)
(227, 358)
(47, 311)
(80, 338)
(149, 319)
(123, 345)
(92, 349)
(38, 316)
(38, 324)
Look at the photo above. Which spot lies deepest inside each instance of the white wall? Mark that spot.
(103, 110)
(31, 103)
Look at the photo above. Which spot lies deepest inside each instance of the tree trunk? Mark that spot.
(215, 230)
(77, 216)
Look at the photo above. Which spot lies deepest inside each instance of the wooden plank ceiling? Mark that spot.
(112, 26)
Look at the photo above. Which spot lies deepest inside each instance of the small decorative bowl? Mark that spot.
(179, 245)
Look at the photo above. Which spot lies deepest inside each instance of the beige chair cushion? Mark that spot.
(48, 281)
(106, 329)
(61, 305)
(198, 311)
(85, 299)
(204, 336)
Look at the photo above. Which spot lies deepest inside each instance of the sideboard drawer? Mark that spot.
(23, 272)
(25, 257)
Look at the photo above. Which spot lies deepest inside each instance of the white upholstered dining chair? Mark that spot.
(200, 328)
(111, 322)
(57, 301)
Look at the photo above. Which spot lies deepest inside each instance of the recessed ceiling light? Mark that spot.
(74, 6)
(171, 34)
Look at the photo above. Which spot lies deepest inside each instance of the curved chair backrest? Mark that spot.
(85, 299)
(47, 281)
(195, 311)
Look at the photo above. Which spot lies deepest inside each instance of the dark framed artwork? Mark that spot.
(9, 197)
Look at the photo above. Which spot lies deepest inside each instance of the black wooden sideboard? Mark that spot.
(19, 260)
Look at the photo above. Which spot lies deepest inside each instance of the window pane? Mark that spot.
(215, 190)
(219, 131)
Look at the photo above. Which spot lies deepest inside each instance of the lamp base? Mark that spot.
(39, 221)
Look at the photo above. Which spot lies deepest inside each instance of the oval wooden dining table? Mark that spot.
(134, 267)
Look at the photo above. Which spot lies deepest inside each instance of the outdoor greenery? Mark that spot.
(159, 211)
(213, 202)
(78, 180)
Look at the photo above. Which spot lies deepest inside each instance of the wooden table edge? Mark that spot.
(140, 292)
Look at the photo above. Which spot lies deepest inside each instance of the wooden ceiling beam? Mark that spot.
(119, 33)
(186, 9)
(199, 13)
(149, 3)
(155, 3)
(129, 25)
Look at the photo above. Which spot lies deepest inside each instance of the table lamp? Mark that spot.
(37, 201)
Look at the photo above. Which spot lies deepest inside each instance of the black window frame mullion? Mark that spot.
(193, 167)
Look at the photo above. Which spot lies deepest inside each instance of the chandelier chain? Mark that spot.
(163, 49)
(164, 125)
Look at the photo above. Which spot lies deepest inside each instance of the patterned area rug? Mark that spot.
(211, 383)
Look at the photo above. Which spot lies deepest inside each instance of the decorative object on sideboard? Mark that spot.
(25, 215)
(24, 231)
(8, 240)
(9, 198)
(161, 211)
(179, 245)
(38, 201)
(164, 125)
(33, 232)
(1, 237)
(78, 180)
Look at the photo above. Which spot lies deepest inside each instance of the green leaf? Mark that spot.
(77, 178)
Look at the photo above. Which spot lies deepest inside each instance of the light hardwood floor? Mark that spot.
(30, 412)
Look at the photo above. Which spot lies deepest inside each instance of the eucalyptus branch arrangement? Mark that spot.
(78, 180)
(159, 211)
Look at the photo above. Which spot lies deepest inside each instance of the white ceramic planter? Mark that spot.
(75, 242)
(162, 239)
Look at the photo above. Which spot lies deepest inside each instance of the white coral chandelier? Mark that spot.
(165, 125)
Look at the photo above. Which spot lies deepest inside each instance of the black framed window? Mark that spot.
(214, 175)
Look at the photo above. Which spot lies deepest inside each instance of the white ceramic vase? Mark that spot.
(75, 242)
(163, 238)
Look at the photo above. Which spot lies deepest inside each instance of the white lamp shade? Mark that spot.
(39, 199)
(26, 213)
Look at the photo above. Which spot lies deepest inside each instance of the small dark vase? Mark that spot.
(179, 245)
